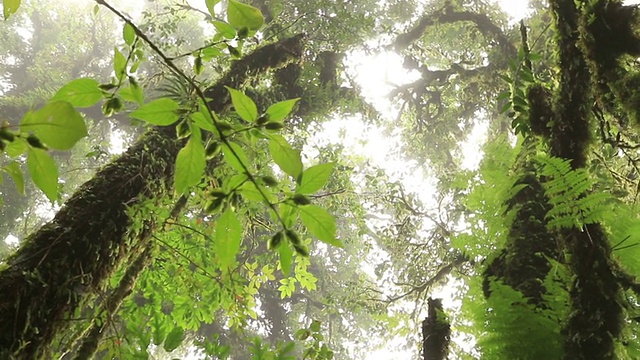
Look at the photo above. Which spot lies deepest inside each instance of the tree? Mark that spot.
(539, 240)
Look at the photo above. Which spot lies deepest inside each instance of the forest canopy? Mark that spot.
(227, 179)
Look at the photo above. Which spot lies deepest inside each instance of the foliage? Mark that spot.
(225, 231)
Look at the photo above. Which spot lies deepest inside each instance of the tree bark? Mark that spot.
(436, 332)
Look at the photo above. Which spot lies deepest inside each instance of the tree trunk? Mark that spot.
(436, 332)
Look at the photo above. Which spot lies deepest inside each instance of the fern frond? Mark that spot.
(569, 192)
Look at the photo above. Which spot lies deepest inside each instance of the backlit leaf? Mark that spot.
(80, 93)
(320, 223)
(211, 6)
(280, 110)
(237, 159)
(10, 7)
(119, 64)
(314, 178)
(225, 29)
(228, 238)
(44, 172)
(286, 157)
(13, 169)
(158, 112)
(240, 15)
(57, 124)
(128, 34)
(286, 258)
(245, 107)
(190, 165)
(174, 339)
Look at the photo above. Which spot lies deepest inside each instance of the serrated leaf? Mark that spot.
(161, 112)
(225, 29)
(236, 159)
(13, 169)
(245, 107)
(57, 124)
(240, 15)
(119, 64)
(287, 158)
(81, 93)
(190, 165)
(314, 178)
(320, 223)
(128, 34)
(228, 238)
(44, 172)
(174, 339)
(286, 258)
(10, 7)
(280, 110)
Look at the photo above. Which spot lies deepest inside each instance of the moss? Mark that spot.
(60, 266)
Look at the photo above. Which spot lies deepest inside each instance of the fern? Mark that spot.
(568, 190)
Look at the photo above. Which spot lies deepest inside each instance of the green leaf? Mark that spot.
(240, 15)
(228, 238)
(57, 124)
(211, 6)
(320, 223)
(250, 191)
(314, 178)
(80, 93)
(161, 112)
(128, 34)
(286, 258)
(119, 64)
(13, 169)
(44, 172)
(245, 107)
(315, 326)
(203, 120)
(286, 157)
(280, 110)
(237, 159)
(190, 164)
(174, 339)
(225, 29)
(10, 7)
(17, 147)
(132, 93)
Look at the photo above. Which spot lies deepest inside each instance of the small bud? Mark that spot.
(35, 142)
(300, 199)
(275, 241)
(274, 125)
(242, 33)
(223, 125)
(214, 205)
(7, 135)
(183, 130)
(212, 149)
(263, 119)
(107, 87)
(217, 193)
(293, 237)
(112, 106)
(301, 249)
(270, 180)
